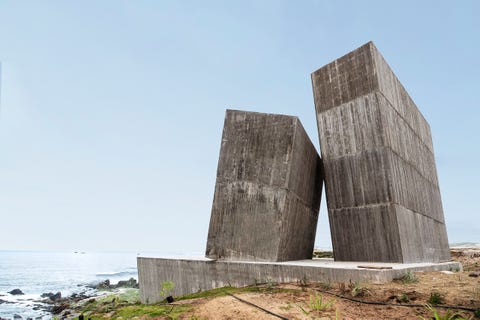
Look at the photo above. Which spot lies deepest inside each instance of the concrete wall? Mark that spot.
(190, 276)
(381, 181)
(268, 189)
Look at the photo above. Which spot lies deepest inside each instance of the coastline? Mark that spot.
(96, 298)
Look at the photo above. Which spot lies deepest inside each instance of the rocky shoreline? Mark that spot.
(68, 307)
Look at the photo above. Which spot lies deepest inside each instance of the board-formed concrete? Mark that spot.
(267, 192)
(382, 188)
(194, 275)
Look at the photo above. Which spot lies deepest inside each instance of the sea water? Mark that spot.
(35, 272)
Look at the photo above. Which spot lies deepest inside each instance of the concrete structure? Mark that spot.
(193, 275)
(268, 189)
(382, 189)
(381, 183)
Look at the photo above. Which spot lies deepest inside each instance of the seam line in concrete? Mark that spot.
(270, 186)
(408, 124)
(385, 204)
(391, 106)
(347, 155)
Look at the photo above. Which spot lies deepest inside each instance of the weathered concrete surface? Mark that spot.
(268, 189)
(381, 181)
(190, 276)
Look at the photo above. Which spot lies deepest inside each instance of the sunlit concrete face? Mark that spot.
(381, 181)
(267, 192)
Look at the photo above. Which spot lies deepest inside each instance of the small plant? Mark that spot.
(271, 284)
(449, 315)
(324, 285)
(435, 298)
(303, 282)
(404, 298)
(167, 288)
(286, 308)
(409, 277)
(357, 290)
(477, 313)
(317, 303)
(342, 287)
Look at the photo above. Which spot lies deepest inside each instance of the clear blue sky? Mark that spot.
(112, 111)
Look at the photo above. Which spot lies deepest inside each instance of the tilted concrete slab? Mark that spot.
(268, 189)
(194, 275)
(382, 190)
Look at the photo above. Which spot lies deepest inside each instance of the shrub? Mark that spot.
(409, 277)
(435, 298)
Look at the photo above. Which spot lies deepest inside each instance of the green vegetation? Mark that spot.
(448, 315)
(409, 277)
(404, 298)
(435, 298)
(145, 311)
(126, 305)
(322, 254)
(477, 313)
(357, 289)
(317, 303)
(167, 288)
(271, 284)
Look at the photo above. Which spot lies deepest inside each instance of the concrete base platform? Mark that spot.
(193, 275)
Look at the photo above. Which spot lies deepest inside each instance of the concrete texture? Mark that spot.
(268, 189)
(382, 188)
(193, 275)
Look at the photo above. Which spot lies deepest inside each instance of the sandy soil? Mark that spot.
(454, 288)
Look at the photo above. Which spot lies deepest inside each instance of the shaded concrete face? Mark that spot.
(268, 189)
(381, 181)
(191, 276)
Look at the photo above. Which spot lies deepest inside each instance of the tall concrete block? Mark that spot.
(268, 189)
(382, 188)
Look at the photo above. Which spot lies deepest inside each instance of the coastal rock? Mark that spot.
(52, 296)
(17, 316)
(131, 283)
(5, 301)
(103, 285)
(16, 292)
(59, 308)
(75, 297)
(106, 285)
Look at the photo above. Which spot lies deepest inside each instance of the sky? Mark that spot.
(112, 111)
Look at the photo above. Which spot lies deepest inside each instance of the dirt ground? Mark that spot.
(322, 301)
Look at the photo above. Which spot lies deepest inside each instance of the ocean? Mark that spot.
(37, 272)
